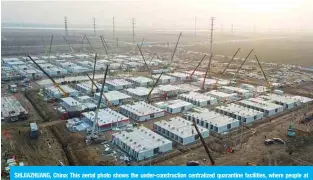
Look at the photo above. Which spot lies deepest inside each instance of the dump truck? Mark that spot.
(33, 131)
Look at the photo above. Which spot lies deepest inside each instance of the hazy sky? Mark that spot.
(165, 14)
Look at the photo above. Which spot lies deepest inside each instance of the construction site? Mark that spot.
(104, 102)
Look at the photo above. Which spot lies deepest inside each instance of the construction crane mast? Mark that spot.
(93, 72)
(169, 66)
(155, 84)
(207, 72)
(53, 81)
(95, 121)
(265, 77)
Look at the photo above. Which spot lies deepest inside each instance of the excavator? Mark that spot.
(64, 93)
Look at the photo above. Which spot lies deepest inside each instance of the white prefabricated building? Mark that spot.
(86, 87)
(179, 130)
(168, 89)
(118, 84)
(179, 76)
(70, 104)
(285, 101)
(164, 78)
(241, 113)
(140, 81)
(114, 97)
(302, 99)
(241, 92)
(213, 121)
(12, 110)
(141, 93)
(141, 111)
(55, 92)
(223, 97)
(198, 99)
(268, 108)
(177, 106)
(107, 119)
(141, 143)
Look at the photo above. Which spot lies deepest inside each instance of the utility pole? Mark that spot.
(65, 24)
(94, 26)
(196, 26)
(133, 24)
(113, 29)
(211, 36)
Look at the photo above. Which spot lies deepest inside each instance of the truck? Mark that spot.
(13, 88)
(33, 131)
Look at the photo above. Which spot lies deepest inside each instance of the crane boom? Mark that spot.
(50, 48)
(203, 143)
(156, 82)
(142, 42)
(231, 60)
(93, 72)
(197, 67)
(104, 45)
(207, 71)
(242, 64)
(90, 44)
(152, 58)
(95, 121)
(265, 77)
(175, 49)
(82, 44)
(71, 49)
(144, 59)
(53, 81)
(92, 81)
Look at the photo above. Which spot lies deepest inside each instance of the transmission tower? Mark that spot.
(94, 26)
(65, 24)
(211, 36)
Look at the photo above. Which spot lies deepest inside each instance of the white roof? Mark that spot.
(278, 98)
(239, 110)
(65, 56)
(114, 95)
(234, 89)
(142, 91)
(197, 73)
(81, 55)
(141, 108)
(178, 103)
(213, 117)
(180, 127)
(187, 87)
(7, 59)
(208, 81)
(141, 79)
(141, 139)
(118, 82)
(302, 99)
(15, 62)
(70, 101)
(10, 106)
(84, 98)
(66, 88)
(106, 116)
(167, 88)
(178, 74)
(198, 96)
(47, 57)
(220, 94)
(260, 104)
(163, 77)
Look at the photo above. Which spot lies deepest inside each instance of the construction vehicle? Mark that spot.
(291, 132)
(13, 88)
(65, 94)
(203, 143)
(93, 136)
(34, 131)
(190, 77)
(206, 74)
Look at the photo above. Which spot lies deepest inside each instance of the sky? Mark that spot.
(164, 14)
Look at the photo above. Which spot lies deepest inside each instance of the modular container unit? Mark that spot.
(107, 119)
(223, 97)
(114, 97)
(141, 143)
(177, 106)
(86, 87)
(241, 92)
(285, 101)
(118, 84)
(198, 99)
(169, 90)
(269, 109)
(241, 113)
(179, 76)
(141, 111)
(164, 79)
(141, 93)
(54, 92)
(140, 81)
(12, 110)
(179, 130)
(213, 121)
